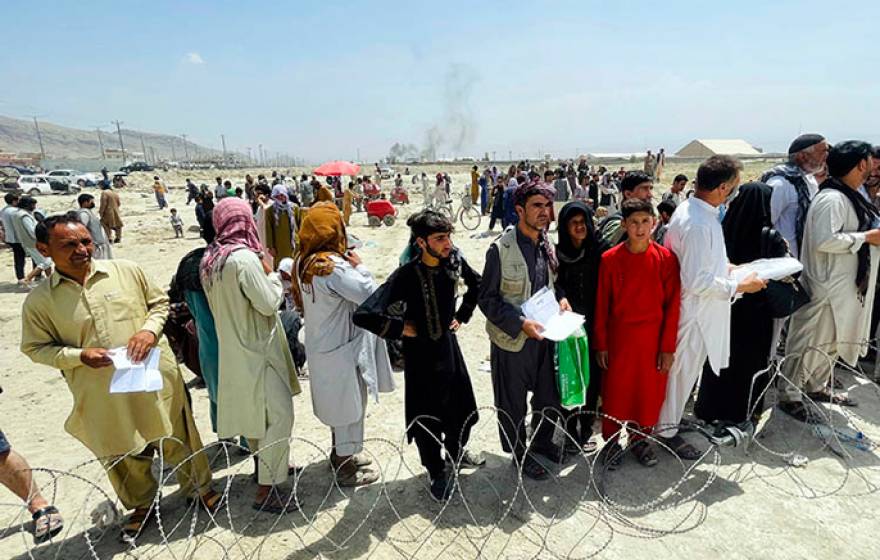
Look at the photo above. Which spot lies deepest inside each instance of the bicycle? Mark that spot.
(468, 214)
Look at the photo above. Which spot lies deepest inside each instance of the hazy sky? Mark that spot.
(325, 79)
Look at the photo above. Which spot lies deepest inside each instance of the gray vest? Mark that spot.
(515, 287)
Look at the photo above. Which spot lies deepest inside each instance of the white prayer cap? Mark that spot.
(286, 265)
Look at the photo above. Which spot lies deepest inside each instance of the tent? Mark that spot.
(706, 148)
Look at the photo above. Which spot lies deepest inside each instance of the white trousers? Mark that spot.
(690, 355)
(349, 439)
(811, 351)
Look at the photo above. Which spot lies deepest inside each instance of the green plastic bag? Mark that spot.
(572, 359)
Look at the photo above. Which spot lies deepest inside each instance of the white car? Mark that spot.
(75, 177)
(34, 184)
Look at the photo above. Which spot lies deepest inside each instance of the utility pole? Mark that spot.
(185, 148)
(144, 149)
(101, 142)
(223, 141)
(173, 156)
(509, 155)
(250, 158)
(153, 152)
(359, 155)
(121, 143)
(39, 138)
(260, 151)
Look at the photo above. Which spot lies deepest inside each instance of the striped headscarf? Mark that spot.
(236, 230)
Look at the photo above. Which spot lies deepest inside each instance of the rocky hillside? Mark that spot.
(18, 135)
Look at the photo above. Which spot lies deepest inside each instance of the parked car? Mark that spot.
(75, 177)
(137, 166)
(9, 179)
(34, 184)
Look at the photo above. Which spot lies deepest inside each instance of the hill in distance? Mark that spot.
(19, 135)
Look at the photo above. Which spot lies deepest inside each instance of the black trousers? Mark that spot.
(579, 421)
(514, 374)
(18, 257)
(431, 436)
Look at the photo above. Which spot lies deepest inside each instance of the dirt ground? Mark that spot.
(735, 503)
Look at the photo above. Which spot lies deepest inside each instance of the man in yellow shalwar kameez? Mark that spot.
(72, 322)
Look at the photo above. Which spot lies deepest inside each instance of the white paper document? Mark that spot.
(543, 308)
(132, 377)
(768, 269)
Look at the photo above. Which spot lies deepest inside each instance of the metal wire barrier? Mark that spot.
(494, 511)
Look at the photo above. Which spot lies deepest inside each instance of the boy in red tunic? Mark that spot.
(637, 308)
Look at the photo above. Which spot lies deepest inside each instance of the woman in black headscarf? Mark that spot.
(734, 395)
(579, 252)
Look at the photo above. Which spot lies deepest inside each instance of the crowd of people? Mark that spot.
(664, 312)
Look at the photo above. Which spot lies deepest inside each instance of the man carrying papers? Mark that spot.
(70, 322)
(519, 264)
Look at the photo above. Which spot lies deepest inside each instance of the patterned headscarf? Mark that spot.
(520, 195)
(236, 230)
(321, 236)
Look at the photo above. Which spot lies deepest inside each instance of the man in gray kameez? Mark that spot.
(518, 264)
(92, 222)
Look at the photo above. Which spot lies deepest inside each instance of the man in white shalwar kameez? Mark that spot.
(696, 238)
(345, 362)
(840, 258)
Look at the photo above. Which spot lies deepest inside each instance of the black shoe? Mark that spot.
(532, 468)
(441, 487)
(798, 411)
(551, 451)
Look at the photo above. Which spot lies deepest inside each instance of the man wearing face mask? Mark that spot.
(794, 186)
(696, 238)
(840, 255)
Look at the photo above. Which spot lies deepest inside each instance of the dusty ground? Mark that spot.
(735, 504)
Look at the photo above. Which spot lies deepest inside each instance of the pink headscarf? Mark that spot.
(236, 230)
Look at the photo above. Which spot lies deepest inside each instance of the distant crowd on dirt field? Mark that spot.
(655, 302)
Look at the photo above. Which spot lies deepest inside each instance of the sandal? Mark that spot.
(644, 453)
(683, 449)
(211, 500)
(274, 504)
(292, 470)
(137, 523)
(348, 475)
(840, 399)
(613, 456)
(47, 523)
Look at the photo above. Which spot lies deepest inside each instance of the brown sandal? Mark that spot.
(137, 522)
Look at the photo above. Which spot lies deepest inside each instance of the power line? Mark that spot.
(100, 142)
(39, 138)
(121, 143)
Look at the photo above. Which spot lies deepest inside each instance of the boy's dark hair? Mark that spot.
(10, 198)
(631, 206)
(174, 210)
(667, 206)
(27, 203)
(844, 156)
(83, 198)
(717, 170)
(632, 179)
(44, 228)
(680, 177)
(428, 222)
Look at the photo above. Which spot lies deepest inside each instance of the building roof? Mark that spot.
(701, 147)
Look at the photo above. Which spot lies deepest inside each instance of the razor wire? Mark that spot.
(505, 517)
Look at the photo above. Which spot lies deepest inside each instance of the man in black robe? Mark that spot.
(418, 305)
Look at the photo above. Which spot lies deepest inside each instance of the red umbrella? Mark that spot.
(337, 168)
